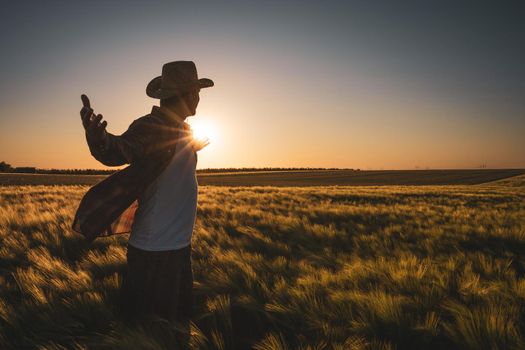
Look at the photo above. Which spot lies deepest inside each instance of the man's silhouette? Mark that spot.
(159, 277)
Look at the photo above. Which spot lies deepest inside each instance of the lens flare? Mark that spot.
(203, 129)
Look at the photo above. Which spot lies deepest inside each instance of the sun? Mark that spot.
(203, 129)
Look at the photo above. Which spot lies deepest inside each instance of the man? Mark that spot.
(159, 277)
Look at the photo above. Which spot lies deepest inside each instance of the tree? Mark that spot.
(4, 167)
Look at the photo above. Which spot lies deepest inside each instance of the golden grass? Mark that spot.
(283, 268)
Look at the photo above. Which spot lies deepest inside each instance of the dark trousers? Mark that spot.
(158, 283)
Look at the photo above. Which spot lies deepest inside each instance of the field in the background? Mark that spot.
(390, 267)
(299, 178)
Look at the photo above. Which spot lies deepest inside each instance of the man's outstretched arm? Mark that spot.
(107, 148)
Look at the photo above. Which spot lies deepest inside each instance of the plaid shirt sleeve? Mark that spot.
(122, 149)
(109, 207)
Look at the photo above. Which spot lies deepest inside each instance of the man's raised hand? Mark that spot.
(95, 129)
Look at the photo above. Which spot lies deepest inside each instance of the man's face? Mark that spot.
(192, 100)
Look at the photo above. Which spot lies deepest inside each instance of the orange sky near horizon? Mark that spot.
(278, 100)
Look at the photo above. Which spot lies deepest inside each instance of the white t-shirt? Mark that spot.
(167, 209)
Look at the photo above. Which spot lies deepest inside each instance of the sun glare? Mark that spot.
(203, 129)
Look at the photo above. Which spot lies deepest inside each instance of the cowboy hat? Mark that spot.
(177, 77)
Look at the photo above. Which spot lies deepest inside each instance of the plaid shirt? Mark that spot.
(148, 146)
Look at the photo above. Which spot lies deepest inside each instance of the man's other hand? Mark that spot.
(93, 124)
(199, 144)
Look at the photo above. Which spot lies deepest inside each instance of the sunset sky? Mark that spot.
(393, 85)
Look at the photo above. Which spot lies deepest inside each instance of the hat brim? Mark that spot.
(155, 90)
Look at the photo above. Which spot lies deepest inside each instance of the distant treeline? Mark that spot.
(7, 168)
(76, 171)
(232, 170)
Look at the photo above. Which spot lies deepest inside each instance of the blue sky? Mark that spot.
(325, 83)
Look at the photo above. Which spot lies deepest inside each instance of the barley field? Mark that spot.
(338, 267)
